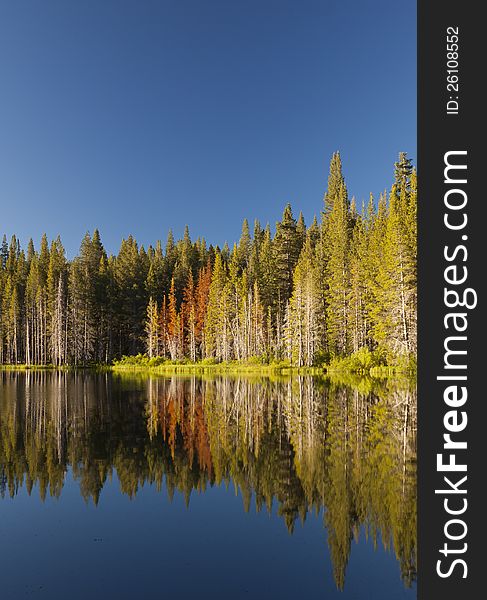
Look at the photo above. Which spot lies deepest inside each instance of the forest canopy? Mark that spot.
(344, 284)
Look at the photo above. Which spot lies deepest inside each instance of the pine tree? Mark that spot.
(130, 273)
(57, 303)
(359, 292)
(398, 272)
(185, 263)
(41, 301)
(202, 293)
(336, 248)
(86, 299)
(336, 183)
(254, 267)
(301, 230)
(155, 280)
(266, 273)
(376, 276)
(287, 246)
(189, 311)
(304, 323)
(244, 247)
(217, 326)
(4, 252)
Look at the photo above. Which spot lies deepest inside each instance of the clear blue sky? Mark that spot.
(136, 116)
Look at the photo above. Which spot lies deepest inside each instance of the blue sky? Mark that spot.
(136, 116)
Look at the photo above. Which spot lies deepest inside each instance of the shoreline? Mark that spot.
(378, 372)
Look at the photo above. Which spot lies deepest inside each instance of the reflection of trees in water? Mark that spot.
(304, 444)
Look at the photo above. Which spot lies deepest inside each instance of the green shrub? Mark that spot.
(156, 361)
(256, 360)
(360, 361)
(280, 364)
(210, 361)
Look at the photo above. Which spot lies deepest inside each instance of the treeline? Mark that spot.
(306, 294)
(300, 446)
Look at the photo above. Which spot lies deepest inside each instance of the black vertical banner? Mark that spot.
(452, 442)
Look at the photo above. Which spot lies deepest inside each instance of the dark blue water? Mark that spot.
(189, 489)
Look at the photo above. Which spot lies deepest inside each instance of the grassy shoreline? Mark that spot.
(230, 368)
(219, 369)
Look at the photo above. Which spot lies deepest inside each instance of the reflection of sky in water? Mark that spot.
(149, 546)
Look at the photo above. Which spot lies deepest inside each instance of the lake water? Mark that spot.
(126, 486)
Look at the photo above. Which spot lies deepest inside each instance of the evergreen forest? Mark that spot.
(345, 285)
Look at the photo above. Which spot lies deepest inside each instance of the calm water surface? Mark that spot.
(121, 487)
